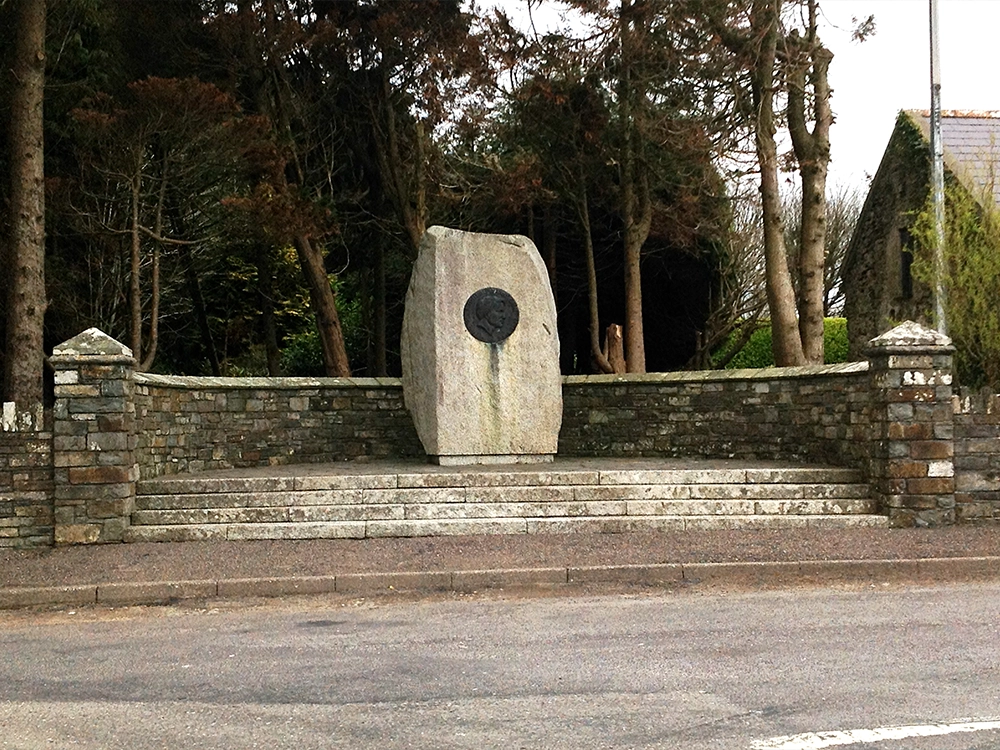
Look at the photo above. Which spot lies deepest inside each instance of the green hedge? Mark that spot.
(757, 352)
(302, 355)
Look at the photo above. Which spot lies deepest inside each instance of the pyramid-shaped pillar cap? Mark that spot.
(911, 337)
(92, 343)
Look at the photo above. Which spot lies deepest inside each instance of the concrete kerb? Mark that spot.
(155, 592)
(628, 574)
(43, 596)
(741, 574)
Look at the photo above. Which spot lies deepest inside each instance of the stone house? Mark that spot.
(879, 287)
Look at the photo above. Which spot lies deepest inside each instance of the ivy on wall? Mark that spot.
(971, 281)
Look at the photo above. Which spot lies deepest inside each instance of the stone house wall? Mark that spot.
(874, 294)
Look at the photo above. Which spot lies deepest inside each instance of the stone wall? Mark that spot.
(812, 413)
(930, 459)
(818, 413)
(26, 486)
(977, 457)
(199, 423)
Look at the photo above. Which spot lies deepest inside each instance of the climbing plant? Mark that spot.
(971, 281)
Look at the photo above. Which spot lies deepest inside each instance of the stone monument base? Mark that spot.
(492, 458)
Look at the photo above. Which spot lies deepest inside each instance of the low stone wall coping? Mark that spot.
(198, 381)
(91, 359)
(701, 376)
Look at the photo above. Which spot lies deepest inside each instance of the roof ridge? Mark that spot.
(979, 114)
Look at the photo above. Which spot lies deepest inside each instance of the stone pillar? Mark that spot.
(912, 469)
(93, 439)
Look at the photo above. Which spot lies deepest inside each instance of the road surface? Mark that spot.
(890, 668)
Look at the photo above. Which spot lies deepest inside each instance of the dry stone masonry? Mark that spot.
(929, 455)
(813, 413)
(190, 424)
(25, 479)
(977, 457)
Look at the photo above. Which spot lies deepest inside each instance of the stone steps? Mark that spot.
(431, 501)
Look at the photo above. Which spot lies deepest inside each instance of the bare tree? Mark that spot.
(842, 211)
(843, 206)
(739, 300)
(765, 25)
(779, 65)
(153, 172)
(808, 60)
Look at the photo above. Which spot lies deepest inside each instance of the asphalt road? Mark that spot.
(656, 669)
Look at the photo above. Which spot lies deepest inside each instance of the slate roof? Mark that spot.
(971, 147)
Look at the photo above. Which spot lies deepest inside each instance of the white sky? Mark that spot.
(890, 71)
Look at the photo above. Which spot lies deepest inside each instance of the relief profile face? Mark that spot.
(491, 315)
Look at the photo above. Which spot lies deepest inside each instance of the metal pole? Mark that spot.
(937, 175)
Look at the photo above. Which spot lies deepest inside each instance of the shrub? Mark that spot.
(302, 355)
(757, 352)
(834, 340)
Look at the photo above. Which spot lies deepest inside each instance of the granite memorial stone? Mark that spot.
(480, 350)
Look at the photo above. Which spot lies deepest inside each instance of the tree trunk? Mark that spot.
(785, 340)
(26, 300)
(194, 288)
(812, 150)
(599, 356)
(265, 293)
(154, 304)
(322, 299)
(271, 94)
(412, 215)
(549, 247)
(636, 205)
(324, 304)
(154, 313)
(380, 312)
(201, 313)
(417, 224)
(135, 268)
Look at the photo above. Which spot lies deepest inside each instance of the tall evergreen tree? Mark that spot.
(25, 256)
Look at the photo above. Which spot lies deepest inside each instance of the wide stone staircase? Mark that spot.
(330, 501)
